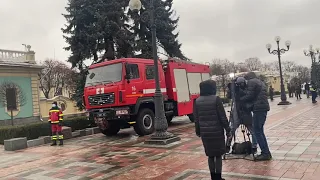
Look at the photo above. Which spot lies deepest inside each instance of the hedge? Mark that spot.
(35, 130)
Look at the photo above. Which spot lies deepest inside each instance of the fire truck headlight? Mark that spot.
(122, 112)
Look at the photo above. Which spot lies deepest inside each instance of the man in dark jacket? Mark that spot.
(256, 100)
(289, 90)
(298, 91)
(211, 123)
(271, 93)
(239, 114)
(307, 89)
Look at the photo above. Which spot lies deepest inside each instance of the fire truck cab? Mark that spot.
(120, 93)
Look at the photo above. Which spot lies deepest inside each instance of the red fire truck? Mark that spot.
(119, 94)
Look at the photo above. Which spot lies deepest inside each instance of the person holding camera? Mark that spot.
(245, 115)
(211, 123)
(256, 100)
(239, 114)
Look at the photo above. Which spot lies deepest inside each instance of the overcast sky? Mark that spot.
(232, 29)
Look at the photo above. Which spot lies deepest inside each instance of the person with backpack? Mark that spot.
(211, 123)
(256, 100)
(55, 120)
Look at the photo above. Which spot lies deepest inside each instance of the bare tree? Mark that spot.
(275, 66)
(266, 67)
(288, 66)
(55, 76)
(253, 64)
(222, 66)
(304, 73)
(12, 97)
(241, 67)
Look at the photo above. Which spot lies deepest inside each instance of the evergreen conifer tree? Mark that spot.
(166, 25)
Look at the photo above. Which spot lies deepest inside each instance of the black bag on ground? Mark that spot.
(242, 148)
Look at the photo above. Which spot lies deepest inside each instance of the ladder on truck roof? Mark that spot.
(177, 60)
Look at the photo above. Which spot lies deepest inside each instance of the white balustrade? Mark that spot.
(9, 55)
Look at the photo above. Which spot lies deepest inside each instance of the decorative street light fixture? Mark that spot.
(279, 52)
(314, 70)
(312, 53)
(161, 135)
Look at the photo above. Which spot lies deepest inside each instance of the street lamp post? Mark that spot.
(312, 53)
(161, 135)
(279, 52)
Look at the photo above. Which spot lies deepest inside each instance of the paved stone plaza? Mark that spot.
(293, 133)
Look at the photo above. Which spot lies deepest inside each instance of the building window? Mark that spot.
(134, 71)
(63, 107)
(149, 72)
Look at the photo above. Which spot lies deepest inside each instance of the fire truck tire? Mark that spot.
(191, 117)
(144, 122)
(112, 129)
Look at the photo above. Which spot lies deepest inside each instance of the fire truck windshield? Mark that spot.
(104, 75)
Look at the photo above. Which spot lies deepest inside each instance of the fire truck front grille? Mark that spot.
(101, 99)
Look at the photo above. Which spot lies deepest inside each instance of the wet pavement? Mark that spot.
(293, 133)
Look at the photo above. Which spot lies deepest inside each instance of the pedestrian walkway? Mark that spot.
(293, 133)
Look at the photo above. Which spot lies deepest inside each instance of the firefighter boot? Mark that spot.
(54, 143)
(61, 142)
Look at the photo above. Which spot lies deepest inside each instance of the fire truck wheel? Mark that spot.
(191, 117)
(112, 129)
(144, 122)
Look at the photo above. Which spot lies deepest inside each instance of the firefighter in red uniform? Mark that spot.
(55, 119)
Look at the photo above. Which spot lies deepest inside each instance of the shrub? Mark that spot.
(277, 93)
(35, 130)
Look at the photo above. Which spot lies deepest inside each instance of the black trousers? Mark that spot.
(215, 164)
(298, 95)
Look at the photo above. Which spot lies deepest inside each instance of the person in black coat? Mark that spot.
(256, 100)
(307, 89)
(211, 123)
(271, 93)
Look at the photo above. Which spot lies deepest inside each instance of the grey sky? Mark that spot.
(233, 29)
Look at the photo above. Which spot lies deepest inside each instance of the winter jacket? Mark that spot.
(256, 94)
(271, 91)
(307, 87)
(211, 122)
(55, 115)
(298, 89)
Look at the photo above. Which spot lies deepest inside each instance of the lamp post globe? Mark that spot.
(310, 47)
(135, 5)
(268, 46)
(277, 38)
(305, 51)
(288, 43)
